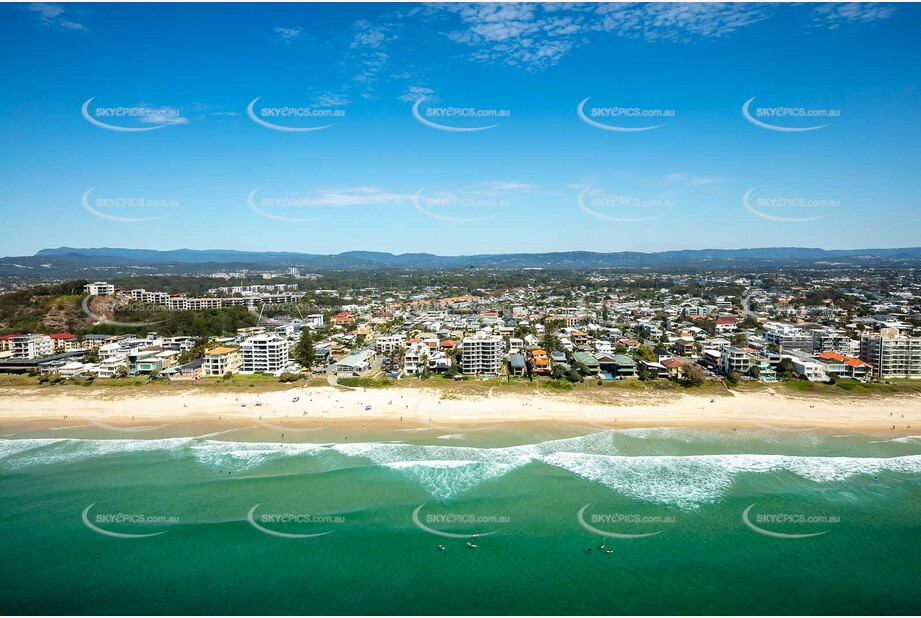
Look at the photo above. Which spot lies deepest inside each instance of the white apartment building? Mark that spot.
(389, 344)
(314, 320)
(99, 288)
(110, 350)
(892, 354)
(31, 346)
(734, 359)
(264, 353)
(482, 354)
(222, 360)
(808, 367)
(415, 359)
(787, 337)
(829, 340)
(108, 367)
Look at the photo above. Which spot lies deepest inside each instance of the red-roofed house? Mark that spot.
(60, 340)
(675, 367)
(840, 365)
(5, 342)
(342, 318)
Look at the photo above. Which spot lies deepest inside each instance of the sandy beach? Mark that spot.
(402, 408)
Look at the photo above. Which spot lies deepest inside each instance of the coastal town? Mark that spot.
(828, 327)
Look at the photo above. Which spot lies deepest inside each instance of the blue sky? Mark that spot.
(380, 178)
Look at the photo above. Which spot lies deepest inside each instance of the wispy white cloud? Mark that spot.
(537, 36)
(369, 53)
(833, 15)
(353, 196)
(414, 93)
(330, 99)
(707, 180)
(288, 34)
(165, 117)
(509, 187)
(696, 181)
(53, 15)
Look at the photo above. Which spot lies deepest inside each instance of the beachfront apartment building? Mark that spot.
(111, 366)
(807, 366)
(31, 346)
(389, 344)
(788, 337)
(482, 354)
(99, 288)
(416, 358)
(843, 366)
(264, 353)
(892, 354)
(221, 361)
(830, 340)
(734, 359)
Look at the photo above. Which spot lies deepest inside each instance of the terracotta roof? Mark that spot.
(849, 361)
(221, 350)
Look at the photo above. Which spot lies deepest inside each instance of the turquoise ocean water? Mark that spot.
(700, 522)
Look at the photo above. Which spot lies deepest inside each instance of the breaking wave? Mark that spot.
(446, 471)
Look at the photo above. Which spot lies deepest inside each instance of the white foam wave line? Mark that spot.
(431, 463)
(901, 440)
(446, 470)
(687, 481)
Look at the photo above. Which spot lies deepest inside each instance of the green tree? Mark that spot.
(303, 351)
(694, 374)
(785, 368)
(643, 352)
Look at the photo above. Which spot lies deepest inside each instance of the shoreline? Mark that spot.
(393, 410)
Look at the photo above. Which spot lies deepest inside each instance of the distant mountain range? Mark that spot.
(82, 262)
